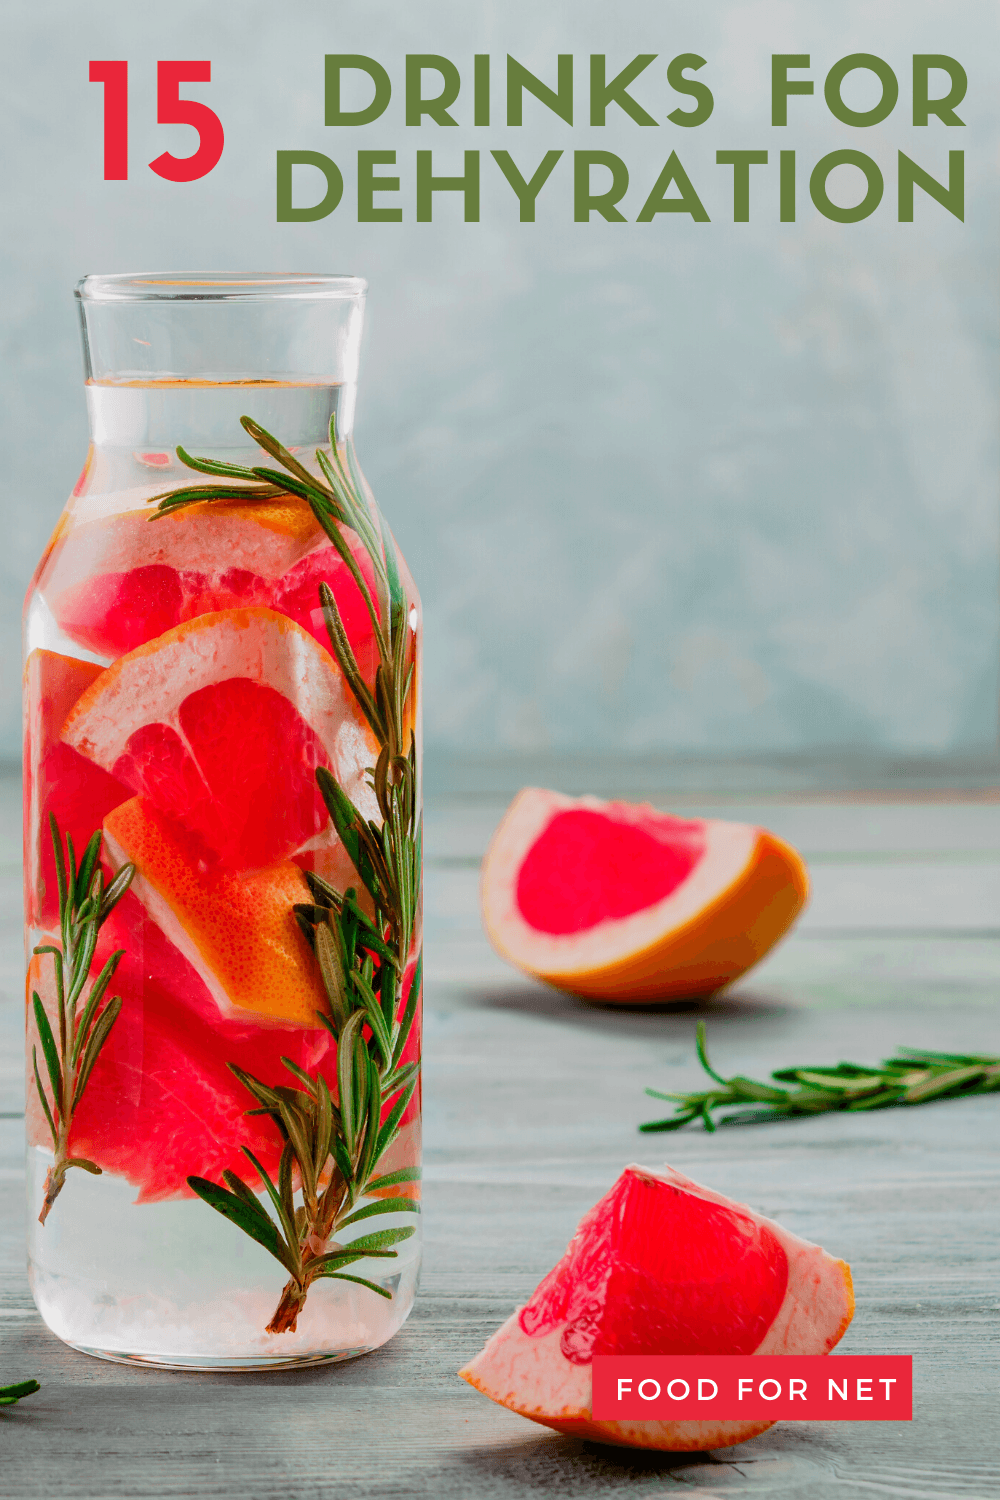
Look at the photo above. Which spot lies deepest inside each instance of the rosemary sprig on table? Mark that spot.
(84, 907)
(10, 1395)
(914, 1077)
(333, 1148)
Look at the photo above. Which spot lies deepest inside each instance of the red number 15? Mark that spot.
(171, 109)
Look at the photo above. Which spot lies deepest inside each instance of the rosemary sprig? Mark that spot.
(914, 1077)
(333, 1147)
(10, 1395)
(333, 1150)
(72, 1050)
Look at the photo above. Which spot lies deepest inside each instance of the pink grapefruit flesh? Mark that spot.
(615, 901)
(199, 560)
(161, 1103)
(662, 1266)
(221, 724)
(57, 779)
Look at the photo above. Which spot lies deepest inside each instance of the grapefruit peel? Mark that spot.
(531, 1374)
(236, 928)
(744, 888)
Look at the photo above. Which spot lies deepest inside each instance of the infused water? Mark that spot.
(223, 1022)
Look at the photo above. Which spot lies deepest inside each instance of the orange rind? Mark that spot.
(236, 928)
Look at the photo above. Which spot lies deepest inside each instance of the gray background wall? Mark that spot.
(668, 489)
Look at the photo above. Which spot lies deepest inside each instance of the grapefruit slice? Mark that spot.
(236, 928)
(161, 1103)
(198, 560)
(221, 723)
(57, 779)
(614, 901)
(662, 1266)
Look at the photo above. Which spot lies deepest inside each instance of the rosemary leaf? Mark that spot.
(359, 1281)
(932, 1087)
(388, 1132)
(335, 1259)
(346, 819)
(331, 968)
(382, 1239)
(49, 1050)
(268, 1097)
(380, 1206)
(89, 1012)
(288, 1156)
(258, 1227)
(246, 1193)
(409, 1015)
(405, 1174)
(347, 1092)
(399, 1080)
(169, 501)
(214, 466)
(270, 445)
(286, 1219)
(88, 864)
(44, 1100)
(98, 1036)
(10, 1395)
(370, 1148)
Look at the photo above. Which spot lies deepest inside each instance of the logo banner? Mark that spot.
(728, 1387)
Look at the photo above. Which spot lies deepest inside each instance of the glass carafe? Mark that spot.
(222, 845)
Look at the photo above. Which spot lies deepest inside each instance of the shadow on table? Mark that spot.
(569, 1465)
(537, 1462)
(673, 1018)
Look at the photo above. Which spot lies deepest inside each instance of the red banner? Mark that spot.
(727, 1387)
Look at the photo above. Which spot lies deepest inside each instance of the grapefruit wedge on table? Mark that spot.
(221, 723)
(614, 901)
(662, 1266)
(201, 559)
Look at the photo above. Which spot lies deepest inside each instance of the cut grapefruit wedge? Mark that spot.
(57, 779)
(236, 928)
(618, 902)
(165, 719)
(161, 1102)
(662, 1266)
(197, 560)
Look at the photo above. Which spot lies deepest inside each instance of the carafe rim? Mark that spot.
(218, 286)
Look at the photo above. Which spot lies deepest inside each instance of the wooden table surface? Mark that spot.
(532, 1103)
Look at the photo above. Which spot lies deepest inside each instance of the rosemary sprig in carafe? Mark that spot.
(333, 1148)
(914, 1077)
(71, 1051)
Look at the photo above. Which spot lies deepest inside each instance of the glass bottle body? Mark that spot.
(182, 690)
